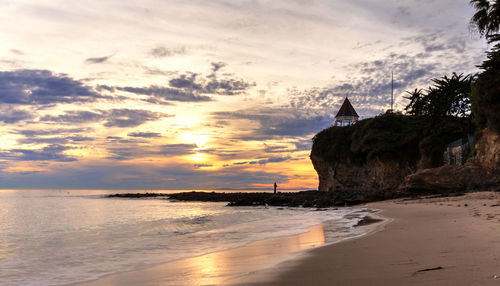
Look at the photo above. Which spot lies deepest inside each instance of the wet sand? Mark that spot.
(221, 268)
(445, 241)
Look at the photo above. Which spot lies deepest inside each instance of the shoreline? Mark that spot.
(230, 266)
(440, 241)
(435, 241)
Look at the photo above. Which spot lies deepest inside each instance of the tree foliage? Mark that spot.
(485, 94)
(404, 137)
(417, 102)
(487, 17)
(448, 96)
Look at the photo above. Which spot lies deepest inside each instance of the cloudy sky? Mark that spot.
(204, 94)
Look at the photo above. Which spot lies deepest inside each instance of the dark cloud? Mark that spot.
(9, 115)
(192, 87)
(116, 139)
(76, 116)
(263, 161)
(274, 160)
(80, 138)
(135, 151)
(144, 134)
(111, 118)
(303, 145)
(164, 94)
(98, 60)
(54, 140)
(52, 152)
(32, 87)
(43, 140)
(438, 41)
(202, 165)
(187, 81)
(226, 86)
(217, 66)
(162, 52)
(57, 131)
(276, 123)
(299, 145)
(102, 87)
(125, 153)
(129, 117)
(177, 149)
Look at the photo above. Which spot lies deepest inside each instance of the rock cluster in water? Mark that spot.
(312, 199)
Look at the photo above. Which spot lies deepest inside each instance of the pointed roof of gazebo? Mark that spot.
(346, 109)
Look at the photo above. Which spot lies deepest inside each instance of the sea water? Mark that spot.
(55, 237)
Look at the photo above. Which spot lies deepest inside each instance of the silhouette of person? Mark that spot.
(275, 187)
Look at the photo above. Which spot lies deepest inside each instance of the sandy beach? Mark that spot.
(443, 241)
(440, 241)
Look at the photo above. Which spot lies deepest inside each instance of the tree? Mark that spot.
(449, 96)
(417, 102)
(486, 90)
(487, 17)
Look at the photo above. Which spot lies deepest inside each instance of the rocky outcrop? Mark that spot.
(481, 172)
(488, 151)
(387, 176)
(309, 199)
(325, 173)
(378, 174)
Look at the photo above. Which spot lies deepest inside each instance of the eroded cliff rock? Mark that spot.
(394, 154)
(481, 172)
(378, 174)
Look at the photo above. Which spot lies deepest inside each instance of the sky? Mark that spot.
(198, 94)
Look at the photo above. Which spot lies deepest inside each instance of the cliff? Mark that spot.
(375, 156)
(378, 174)
(481, 172)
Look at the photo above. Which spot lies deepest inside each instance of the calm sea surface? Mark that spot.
(59, 237)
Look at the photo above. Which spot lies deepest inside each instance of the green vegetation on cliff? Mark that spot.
(486, 90)
(406, 138)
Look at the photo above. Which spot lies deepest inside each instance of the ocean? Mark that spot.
(57, 237)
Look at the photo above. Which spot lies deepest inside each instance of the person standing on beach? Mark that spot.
(275, 187)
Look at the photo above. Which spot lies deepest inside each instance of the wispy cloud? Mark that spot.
(32, 87)
(112, 118)
(162, 52)
(275, 123)
(144, 134)
(9, 115)
(98, 60)
(52, 152)
(193, 87)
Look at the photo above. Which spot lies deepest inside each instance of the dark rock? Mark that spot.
(307, 199)
(137, 195)
(367, 220)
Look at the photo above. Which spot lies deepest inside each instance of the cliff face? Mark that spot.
(375, 156)
(480, 173)
(488, 151)
(377, 174)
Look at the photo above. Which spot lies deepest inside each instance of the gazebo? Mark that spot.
(346, 115)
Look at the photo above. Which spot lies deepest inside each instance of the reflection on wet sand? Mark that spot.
(220, 268)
